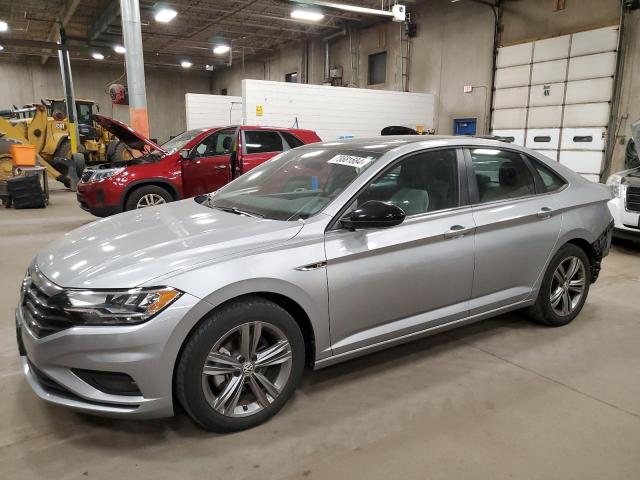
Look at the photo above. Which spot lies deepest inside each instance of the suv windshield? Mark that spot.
(293, 185)
(179, 141)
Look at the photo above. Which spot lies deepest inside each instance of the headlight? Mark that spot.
(103, 173)
(618, 188)
(118, 307)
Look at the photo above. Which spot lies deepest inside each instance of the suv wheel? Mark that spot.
(564, 288)
(147, 196)
(240, 366)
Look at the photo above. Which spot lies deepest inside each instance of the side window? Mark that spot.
(425, 182)
(550, 180)
(292, 140)
(219, 143)
(501, 175)
(262, 141)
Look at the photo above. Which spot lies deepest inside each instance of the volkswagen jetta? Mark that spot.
(321, 254)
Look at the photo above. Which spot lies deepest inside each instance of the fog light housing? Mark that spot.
(113, 383)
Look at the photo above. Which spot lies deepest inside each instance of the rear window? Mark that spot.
(262, 141)
(550, 179)
(292, 140)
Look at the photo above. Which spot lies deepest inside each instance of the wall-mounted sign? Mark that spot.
(259, 111)
(546, 90)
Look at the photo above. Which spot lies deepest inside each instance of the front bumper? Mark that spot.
(627, 223)
(99, 199)
(146, 352)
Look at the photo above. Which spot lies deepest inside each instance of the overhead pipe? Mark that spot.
(327, 51)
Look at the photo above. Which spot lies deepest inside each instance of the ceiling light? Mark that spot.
(119, 49)
(165, 15)
(208, 68)
(220, 49)
(1, 48)
(186, 64)
(303, 14)
(97, 56)
(4, 26)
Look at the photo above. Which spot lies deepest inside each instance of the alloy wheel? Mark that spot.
(247, 369)
(567, 286)
(149, 200)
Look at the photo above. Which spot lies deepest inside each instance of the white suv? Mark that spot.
(625, 205)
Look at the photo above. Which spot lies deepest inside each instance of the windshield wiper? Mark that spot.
(237, 211)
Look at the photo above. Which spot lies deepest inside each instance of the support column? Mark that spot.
(132, 35)
(69, 96)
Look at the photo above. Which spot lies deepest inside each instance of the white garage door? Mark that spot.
(554, 96)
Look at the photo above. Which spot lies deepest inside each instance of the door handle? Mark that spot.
(457, 231)
(545, 212)
(219, 167)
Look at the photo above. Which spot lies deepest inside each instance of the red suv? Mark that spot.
(195, 162)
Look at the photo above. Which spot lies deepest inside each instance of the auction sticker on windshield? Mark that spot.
(351, 160)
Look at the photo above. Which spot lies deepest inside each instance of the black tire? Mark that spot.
(64, 151)
(111, 147)
(118, 153)
(135, 196)
(542, 312)
(188, 378)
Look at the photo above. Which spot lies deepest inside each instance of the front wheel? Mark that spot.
(240, 366)
(147, 196)
(564, 288)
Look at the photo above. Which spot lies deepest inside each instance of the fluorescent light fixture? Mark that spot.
(186, 64)
(97, 56)
(304, 14)
(208, 68)
(4, 26)
(1, 48)
(165, 15)
(221, 49)
(119, 49)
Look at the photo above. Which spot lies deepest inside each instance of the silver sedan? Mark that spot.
(324, 253)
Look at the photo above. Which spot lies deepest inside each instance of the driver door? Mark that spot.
(208, 167)
(389, 282)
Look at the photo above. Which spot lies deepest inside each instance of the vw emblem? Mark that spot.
(247, 368)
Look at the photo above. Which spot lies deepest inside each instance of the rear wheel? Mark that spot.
(240, 366)
(147, 196)
(120, 152)
(564, 288)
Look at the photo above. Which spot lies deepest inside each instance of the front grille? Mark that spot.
(86, 175)
(41, 314)
(633, 199)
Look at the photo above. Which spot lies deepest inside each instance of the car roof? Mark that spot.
(384, 144)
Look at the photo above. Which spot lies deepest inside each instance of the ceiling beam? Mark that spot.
(108, 16)
(67, 11)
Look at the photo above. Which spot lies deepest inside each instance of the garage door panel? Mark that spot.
(510, 118)
(590, 91)
(514, 55)
(543, 138)
(513, 76)
(592, 66)
(594, 41)
(513, 136)
(551, 48)
(511, 97)
(583, 139)
(582, 162)
(586, 115)
(546, 94)
(549, 72)
(545, 117)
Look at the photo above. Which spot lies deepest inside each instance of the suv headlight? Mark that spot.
(104, 173)
(118, 307)
(618, 188)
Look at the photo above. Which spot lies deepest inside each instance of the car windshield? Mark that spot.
(179, 141)
(294, 185)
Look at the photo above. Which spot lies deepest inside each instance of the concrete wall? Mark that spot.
(30, 81)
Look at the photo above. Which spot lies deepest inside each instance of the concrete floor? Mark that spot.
(499, 399)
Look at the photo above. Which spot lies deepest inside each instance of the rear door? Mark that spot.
(517, 222)
(208, 167)
(258, 146)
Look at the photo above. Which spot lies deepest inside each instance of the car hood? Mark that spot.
(132, 138)
(133, 248)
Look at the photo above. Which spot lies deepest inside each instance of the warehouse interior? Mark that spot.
(500, 398)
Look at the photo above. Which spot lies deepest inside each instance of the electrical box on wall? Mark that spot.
(335, 72)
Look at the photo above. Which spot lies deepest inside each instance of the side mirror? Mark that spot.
(374, 214)
(185, 154)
